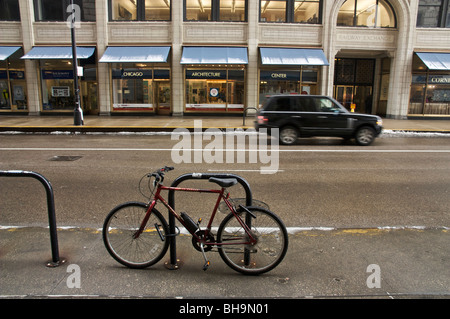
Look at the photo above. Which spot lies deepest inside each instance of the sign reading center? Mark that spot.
(280, 75)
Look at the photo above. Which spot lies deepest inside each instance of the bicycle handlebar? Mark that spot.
(159, 173)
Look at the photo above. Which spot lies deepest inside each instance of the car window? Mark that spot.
(279, 104)
(326, 105)
(306, 104)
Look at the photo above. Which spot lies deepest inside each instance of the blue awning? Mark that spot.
(435, 61)
(136, 54)
(6, 52)
(214, 55)
(61, 53)
(292, 56)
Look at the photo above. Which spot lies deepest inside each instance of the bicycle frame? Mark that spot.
(221, 196)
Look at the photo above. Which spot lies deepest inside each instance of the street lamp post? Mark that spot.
(77, 112)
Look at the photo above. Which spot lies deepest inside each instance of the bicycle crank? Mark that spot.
(207, 263)
(201, 234)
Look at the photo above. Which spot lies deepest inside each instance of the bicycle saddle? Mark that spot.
(224, 182)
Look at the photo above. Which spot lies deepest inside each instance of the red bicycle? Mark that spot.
(250, 239)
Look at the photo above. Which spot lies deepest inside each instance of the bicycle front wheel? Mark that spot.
(266, 254)
(119, 235)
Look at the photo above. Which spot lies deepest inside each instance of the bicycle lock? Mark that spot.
(173, 263)
(56, 260)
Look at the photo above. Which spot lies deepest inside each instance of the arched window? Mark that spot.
(366, 13)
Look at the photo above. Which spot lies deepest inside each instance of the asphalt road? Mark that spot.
(346, 208)
(398, 181)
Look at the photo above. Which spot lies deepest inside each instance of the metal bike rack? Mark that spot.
(56, 260)
(173, 263)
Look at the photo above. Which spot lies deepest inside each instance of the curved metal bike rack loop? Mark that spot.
(173, 263)
(56, 260)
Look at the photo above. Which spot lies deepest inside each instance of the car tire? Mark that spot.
(288, 135)
(365, 136)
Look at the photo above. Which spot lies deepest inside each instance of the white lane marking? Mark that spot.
(223, 150)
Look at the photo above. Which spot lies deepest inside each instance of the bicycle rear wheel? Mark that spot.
(266, 254)
(119, 231)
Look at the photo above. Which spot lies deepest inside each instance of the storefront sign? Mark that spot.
(280, 76)
(16, 75)
(206, 74)
(439, 79)
(432, 79)
(57, 74)
(132, 74)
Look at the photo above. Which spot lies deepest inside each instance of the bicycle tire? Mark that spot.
(119, 228)
(266, 254)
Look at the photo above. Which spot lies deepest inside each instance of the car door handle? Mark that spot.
(322, 117)
(296, 116)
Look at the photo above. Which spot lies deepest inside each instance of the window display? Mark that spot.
(13, 86)
(288, 81)
(57, 85)
(215, 90)
(139, 87)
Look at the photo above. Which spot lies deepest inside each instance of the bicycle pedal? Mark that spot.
(206, 266)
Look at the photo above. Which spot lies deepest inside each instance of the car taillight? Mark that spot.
(262, 119)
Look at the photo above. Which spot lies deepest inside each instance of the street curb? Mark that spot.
(111, 129)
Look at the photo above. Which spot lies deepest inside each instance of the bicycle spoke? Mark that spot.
(260, 256)
(134, 251)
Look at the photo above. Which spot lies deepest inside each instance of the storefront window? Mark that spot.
(417, 97)
(366, 13)
(215, 90)
(57, 85)
(13, 87)
(430, 90)
(140, 87)
(9, 10)
(430, 94)
(300, 81)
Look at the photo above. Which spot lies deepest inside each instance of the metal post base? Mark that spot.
(171, 266)
(53, 264)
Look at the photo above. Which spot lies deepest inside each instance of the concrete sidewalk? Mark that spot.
(169, 123)
(338, 263)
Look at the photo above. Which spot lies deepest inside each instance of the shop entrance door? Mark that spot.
(163, 97)
(89, 101)
(353, 83)
(344, 95)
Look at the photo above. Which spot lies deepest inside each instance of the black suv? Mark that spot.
(315, 115)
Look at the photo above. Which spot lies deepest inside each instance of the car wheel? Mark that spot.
(365, 136)
(288, 135)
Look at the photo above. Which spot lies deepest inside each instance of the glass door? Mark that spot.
(163, 95)
(344, 95)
